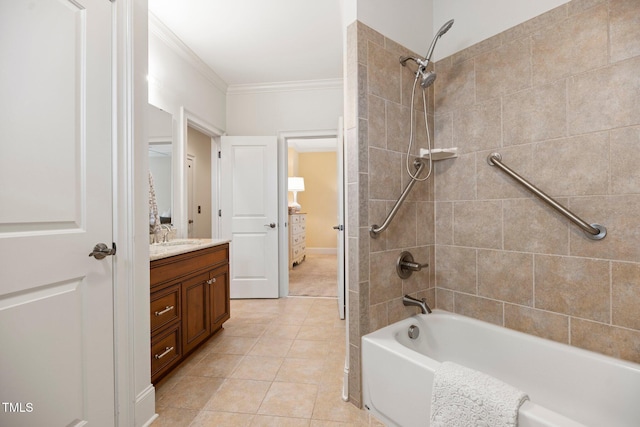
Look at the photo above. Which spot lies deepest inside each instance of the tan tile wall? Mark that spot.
(559, 97)
(377, 120)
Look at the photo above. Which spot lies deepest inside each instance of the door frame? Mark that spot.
(283, 211)
(192, 120)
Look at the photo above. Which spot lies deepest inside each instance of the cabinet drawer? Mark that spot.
(298, 228)
(166, 269)
(295, 219)
(165, 306)
(298, 239)
(165, 350)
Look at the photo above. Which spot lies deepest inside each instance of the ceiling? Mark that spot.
(248, 42)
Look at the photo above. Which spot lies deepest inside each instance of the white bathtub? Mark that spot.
(567, 386)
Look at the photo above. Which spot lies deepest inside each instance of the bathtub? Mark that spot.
(567, 386)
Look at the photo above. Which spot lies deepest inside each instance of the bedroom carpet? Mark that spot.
(314, 277)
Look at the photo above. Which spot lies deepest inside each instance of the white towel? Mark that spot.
(467, 398)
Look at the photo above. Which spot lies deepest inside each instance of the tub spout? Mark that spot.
(410, 301)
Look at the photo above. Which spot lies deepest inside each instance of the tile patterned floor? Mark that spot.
(276, 363)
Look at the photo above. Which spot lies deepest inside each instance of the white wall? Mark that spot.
(479, 20)
(177, 78)
(267, 110)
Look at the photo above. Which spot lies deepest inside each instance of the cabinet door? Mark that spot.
(195, 311)
(219, 296)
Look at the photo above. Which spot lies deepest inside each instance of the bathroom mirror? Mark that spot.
(160, 160)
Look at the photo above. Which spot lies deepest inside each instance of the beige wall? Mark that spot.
(558, 97)
(319, 200)
(199, 145)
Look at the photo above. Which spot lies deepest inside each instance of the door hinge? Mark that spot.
(220, 212)
(219, 154)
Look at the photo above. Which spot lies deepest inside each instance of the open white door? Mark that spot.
(56, 303)
(340, 226)
(249, 199)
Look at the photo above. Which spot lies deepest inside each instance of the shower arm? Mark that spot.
(374, 230)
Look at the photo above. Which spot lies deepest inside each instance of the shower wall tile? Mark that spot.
(479, 308)
(531, 226)
(456, 268)
(604, 99)
(455, 86)
(363, 145)
(402, 231)
(625, 158)
(478, 224)
(540, 323)
(478, 128)
(385, 283)
(425, 223)
(612, 341)
(574, 45)
(571, 126)
(385, 82)
(620, 215)
(419, 280)
(363, 194)
(625, 294)
(456, 180)
(574, 286)
(535, 114)
(503, 70)
(384, 174)
(498, 267)
(624, 29)
(572, 166)
(398, 119)
(377, 131)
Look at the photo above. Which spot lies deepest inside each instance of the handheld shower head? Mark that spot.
(446, 27)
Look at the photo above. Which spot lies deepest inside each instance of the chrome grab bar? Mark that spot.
(592, 231)
(374, 230)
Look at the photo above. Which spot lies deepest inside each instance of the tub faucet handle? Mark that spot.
(406, 265)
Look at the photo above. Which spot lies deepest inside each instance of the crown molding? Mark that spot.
(324, 84)
(168, 37)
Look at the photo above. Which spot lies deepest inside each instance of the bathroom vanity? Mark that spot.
(189, 298)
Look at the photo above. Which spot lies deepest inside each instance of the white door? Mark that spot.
(190, 195)
(340, 226)
(56, 303)
(249, 201)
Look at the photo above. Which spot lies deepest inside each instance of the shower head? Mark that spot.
(446, 27)
(428, 77)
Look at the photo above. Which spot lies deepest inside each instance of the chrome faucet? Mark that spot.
(410, 301)
(167, 228)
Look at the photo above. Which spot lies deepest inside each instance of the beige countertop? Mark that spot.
(181, 246)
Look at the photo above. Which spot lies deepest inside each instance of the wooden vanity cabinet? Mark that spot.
(189, 303)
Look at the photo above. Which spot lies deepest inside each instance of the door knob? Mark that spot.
(338, 227)
(271, 225)
(101, 250)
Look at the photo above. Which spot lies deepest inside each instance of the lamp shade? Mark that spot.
(296, 183)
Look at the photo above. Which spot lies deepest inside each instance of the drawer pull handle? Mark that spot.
(211, 281)
(166, 351)
(166, 310)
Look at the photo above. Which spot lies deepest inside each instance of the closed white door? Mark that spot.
(56, 302)
(249, 201)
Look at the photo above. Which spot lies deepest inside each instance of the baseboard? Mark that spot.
(146, 407)
(322, 251)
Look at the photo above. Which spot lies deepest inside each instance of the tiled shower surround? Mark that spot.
(559, 97)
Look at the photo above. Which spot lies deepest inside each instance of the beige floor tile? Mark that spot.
(259, 368)
(323, 423)
(215, 365)
(307, 371)
(320, 333)
(174, 417)
(236, 395)
(271, 347)
(233, 345)
(190, 392)
(269, 421)
(308, 349)
(250, 330)
(221, 419)
(329, 406)
(280, 330)
(289, 400)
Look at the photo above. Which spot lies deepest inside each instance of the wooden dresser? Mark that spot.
(297, 238)
(189, 303)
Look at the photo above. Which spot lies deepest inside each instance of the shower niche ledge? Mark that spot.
(439, 153)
